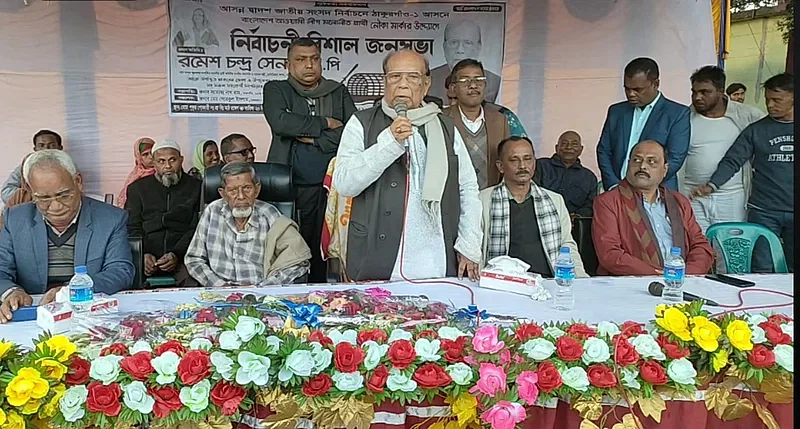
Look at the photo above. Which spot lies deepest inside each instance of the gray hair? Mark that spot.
(237, 168)
(393, 53)
(53, 157)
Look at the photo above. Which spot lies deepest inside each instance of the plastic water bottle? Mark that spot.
(674, 271)
(565, 274)
(81, 290)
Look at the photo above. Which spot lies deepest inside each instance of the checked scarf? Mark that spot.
(500, 227)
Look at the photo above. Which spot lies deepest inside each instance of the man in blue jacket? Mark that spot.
(646, 115)
(42, 241)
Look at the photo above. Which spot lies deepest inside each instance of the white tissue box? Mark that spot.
(523, 284)
(56, 317)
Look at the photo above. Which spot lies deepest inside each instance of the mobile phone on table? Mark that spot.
(24, 314)
(732, 281)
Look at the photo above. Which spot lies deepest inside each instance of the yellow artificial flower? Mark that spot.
(51, 408)
(706, 333)
(26, 385)
(14, 421)
(60, 344)
(676, 322)
(660, 310)
(464, 407)
(52, 368)
(316, 299)
(2, 417)
(4, 348)
(41, 423)
(719, 360)
(32, 407)
(740, 335)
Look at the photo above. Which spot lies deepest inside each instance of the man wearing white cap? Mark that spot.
(163, 210)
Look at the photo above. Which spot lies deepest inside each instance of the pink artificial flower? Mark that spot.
(504, 415)
(378, 293)
(526, 385)
(470, 360)
(492, 379)
(518, 358)
(486, 340)
(505, 356)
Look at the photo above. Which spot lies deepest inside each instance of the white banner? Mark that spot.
(221, 52)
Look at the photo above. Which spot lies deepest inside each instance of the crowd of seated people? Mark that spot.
(427, 192)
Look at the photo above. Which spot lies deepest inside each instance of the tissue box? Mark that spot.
(523, 284)
(56, 317)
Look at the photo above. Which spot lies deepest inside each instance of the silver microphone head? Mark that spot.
(401, 108)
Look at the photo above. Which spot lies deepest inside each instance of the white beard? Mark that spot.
(242, 213)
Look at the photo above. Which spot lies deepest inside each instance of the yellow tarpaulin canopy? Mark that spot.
(721, 15)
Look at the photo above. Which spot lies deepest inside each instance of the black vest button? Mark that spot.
(393, 184)
(388, 212)
(382, 237)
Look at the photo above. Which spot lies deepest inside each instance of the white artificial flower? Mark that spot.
(348, 381)
(141, 346)
(399, 334)
(136, 398)
(229, 340)
(274, 344)
(758, 335)
(299, 363)
(248, 327)
(322, 358)
(784, 356)
(450, 333)
(647, 347)
(681, 371)
(105, 369)
(201, 344)
(427, 350)
(595, 350)
(607, 329)
(538, 349)
(71, 404)
(196, 397)
(166, 367)
(348, 336)
(576, 378)
(252, 369)
(460, 372)
(629, 375)
(553, 332)
(399, 381)
(374, 353)
(788, 329)
(756, 319)
(223, 365)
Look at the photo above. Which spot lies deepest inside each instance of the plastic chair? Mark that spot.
(737, 241)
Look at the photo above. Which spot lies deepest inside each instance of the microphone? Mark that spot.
(402, 110)
(656, 289)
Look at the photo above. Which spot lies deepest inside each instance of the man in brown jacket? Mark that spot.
(481, 128)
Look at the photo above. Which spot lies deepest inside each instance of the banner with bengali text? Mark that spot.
(221, 52)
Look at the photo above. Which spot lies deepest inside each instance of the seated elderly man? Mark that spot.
(43, 241)
(243, 241)
(637, 223)
(163, 210)
(523, 220)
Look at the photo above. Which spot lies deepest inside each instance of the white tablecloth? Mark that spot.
(614, 299)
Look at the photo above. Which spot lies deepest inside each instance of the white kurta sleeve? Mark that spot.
(470, 233)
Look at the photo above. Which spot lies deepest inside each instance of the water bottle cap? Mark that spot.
(675, 251)
(564, 249)
(80, 269)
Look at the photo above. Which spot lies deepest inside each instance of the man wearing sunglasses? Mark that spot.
(42, 242)
(237, 147)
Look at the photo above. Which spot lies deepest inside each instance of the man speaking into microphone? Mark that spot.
(415, 212)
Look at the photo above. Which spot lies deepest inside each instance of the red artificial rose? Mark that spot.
(351, 308)
(454, 349)
(631, 328)
(115, 349)
(234, 297)
(206, 315)
(672, 349)
(194, 367)
(378, 379)
(104, 399)
(779, 319)
(427, 333)
(402, 354)
(137, 328)
(228, 397)
(624, 353)
(170, 346)
(569, 349)
(377, 335)
(430, 376)
(318, 385)
(78, 371)
(774, 333)
(549, 377)
(348, 357)
(761, 357)
(601, 376)
(319, 337)
(580, 330)
(653, 373)
(137, 366)
(167, 400)
(528, 331)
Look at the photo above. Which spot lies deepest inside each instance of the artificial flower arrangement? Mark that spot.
(488, 375)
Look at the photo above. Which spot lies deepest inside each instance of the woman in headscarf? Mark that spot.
(206, 154)
(143, 156)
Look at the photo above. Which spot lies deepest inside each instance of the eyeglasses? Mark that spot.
(469, 81)
(414, 78)
(244, 152)
(62, 198)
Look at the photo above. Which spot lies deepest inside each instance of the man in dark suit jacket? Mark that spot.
(646, 115)
(43, 241)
